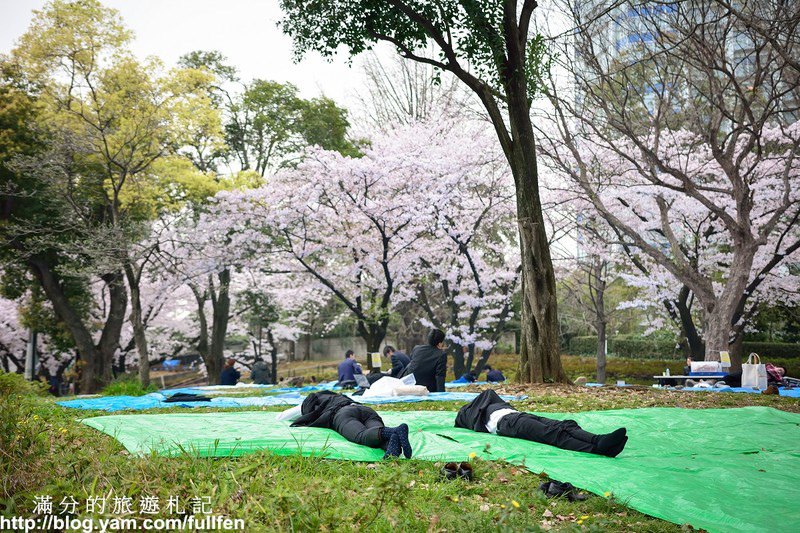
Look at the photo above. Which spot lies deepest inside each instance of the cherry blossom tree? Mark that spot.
(466, 287)
(687, 144)
(13, 337)
(360, 229)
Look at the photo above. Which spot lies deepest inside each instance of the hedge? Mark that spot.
(772, 350)
(651, 348)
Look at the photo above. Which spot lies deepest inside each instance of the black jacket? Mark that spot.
(428, 364)
(476, 413)
(261, 373)
(229, 376)
(319, 408)
(399, 363)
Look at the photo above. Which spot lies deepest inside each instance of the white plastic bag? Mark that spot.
(754, 373)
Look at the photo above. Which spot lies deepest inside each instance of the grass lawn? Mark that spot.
(44, 450)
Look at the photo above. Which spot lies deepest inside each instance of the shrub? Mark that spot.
(772, 350)
(583, 345)
(127, 385)
(643, 348)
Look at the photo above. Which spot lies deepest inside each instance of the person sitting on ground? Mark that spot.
(775, 376)
(348, 369)
(353, 421)
(494, 376)
(429, 362)
(229, 375)
(261, 373)
(469, 377)
(399, 360)
(488, 413)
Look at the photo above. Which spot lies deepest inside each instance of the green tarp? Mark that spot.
(717, 469)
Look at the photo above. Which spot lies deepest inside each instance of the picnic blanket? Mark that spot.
(158, 400)
(717, 469)
(783, 391)
(244, 387)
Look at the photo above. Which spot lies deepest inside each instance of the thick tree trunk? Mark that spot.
(539, 354)
(697, 348)
(601, 351)
(219, 326)
(96, 360)
(108, 346)
(718, 330)
(540, 360)
(137, 322)
(459, 364)
(484, 359)
(273, 351)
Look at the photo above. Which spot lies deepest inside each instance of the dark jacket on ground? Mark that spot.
(229, 376)
(428, 364)
(261, 374)
(399, 363)
(476, 413)
(495, 376)
(319, 408)
(347, 370)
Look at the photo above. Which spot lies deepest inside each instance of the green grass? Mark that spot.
(127, 385)
(46, 451)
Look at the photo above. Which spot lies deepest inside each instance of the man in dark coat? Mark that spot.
(493, 375)
(399, 360)
(261, 373)
(488, 413)
(429, 362)
(353, 421)
(348, 369)
(229, 375)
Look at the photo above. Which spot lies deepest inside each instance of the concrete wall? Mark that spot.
(334, 348)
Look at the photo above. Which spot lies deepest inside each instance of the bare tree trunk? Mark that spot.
(97, 360)
(137, 322)
(601, 351)
(219, 326)
(540, 360)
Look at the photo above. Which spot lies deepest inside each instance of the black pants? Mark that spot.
(359, 424)
(565, 434)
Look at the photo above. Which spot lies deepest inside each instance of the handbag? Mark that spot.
(754, 373)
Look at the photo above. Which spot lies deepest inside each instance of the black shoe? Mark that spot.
(557, 489)
(465, 471)
(393, 447)
(402, 435)
(612, 442)
(450, 470)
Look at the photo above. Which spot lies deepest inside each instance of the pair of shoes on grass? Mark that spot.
(456, 470)
(398, 441)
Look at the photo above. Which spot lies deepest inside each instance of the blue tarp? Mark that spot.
(457, 383)
(790, 393)
(156, 400)
(222, 389)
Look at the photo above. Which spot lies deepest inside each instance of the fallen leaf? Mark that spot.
(547, 513)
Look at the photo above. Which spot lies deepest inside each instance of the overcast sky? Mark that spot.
(243, 30)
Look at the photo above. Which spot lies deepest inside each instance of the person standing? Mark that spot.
(229, 375)
(399, 360)
(429, 362)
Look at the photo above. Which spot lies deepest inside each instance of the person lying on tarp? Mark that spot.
(353, 421)
(488, 413)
